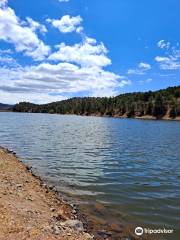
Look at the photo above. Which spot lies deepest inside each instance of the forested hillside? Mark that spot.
(156, 104)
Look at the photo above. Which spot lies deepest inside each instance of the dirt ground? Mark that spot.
(29, 209)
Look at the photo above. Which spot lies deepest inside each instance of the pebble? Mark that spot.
(29, 229)
(72, 205)
(74, 211)
(29, 199)
(73, 224)
(28, 168)
(52, 209)
(56, 230)
(88, 236)
(104, 234)
(115, 227)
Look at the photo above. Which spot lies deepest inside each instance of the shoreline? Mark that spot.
(41, 213)
(29, 209)
(145, 117)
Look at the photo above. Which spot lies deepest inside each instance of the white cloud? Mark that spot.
(171, 58)
(63, 0)
(61, 78)
(41, 98)
(163, 44)
(145, 81)
(6, 59)
(3, 3)
(144, 66)
(36, 25)
(168, 63)
(6, 51)
(141, 69)
(23, 37)
(87, 54)
(67, 24)
(70, 69)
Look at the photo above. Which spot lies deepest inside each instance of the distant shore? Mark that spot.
(31, 210)
(145, 117)
(148, 117)
(162, 104)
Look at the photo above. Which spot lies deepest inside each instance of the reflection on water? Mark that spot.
(132, 166)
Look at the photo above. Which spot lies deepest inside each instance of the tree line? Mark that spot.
(158, 104)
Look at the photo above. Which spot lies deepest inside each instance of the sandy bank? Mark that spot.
(29, 210)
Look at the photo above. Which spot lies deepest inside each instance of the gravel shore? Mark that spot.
(29, 209)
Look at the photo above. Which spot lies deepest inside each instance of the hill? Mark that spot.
(4, 107)
(158, 104)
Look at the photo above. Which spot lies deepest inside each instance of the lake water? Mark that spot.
(132, 167)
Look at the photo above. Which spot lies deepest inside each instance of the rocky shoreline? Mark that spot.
(29, 209)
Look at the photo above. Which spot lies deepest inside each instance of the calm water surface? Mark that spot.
(131, 166)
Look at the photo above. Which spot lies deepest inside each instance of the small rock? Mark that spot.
(88, 236)
(18, 185)
(56, 230)
(29, 199)
(52, 209)
(28, 168)
(73, 224)
(29, 229)
(104, 234)
(115, 227)
(74, 211)
(72, 205)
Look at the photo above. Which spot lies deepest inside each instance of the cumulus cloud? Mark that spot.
(141, 69)
(87, 54)
(69, 69)
(7, 59)
(67, 24)
(61, 79)
(6, 51)
(3, 3)
(21, 35)
(34, 25)
(171, 58)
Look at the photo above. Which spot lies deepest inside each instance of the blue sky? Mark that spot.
(56, 49)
